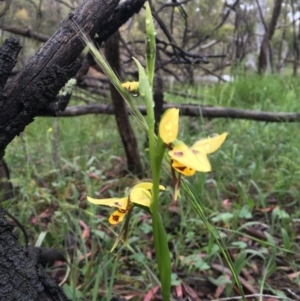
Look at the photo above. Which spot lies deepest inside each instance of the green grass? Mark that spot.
(256, 172)
(269, 93)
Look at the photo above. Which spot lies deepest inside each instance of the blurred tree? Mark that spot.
(265, 55)
(295, 7)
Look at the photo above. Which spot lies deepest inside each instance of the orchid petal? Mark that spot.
(120, 203)
(168, 127)
(140, 196)
(147, 185)
(185, 156)
(116, 217)
(187, 171)
(209, 145)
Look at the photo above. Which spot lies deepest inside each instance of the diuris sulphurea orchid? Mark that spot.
(187, 160)
(139, 195)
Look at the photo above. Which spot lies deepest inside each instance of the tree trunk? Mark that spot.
(296, 38)
(32, 92)
(265, 55)
(112, 54)
(260, 26)
(264, 58)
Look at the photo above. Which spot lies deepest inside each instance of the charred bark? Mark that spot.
(112, 54)
(20, 277)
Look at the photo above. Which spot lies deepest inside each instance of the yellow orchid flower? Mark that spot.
(187, 160)
(139, 194)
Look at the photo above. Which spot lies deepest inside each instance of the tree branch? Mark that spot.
(25, 32)
(191, 110)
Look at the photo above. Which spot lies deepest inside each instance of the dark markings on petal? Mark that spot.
(184, 168)
(178, 154)
(116, 218)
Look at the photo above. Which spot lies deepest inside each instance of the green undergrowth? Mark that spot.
(252, 196)
(269, 93)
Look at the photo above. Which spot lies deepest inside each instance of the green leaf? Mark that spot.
(174, 280)
(193, 197)
(281, 214)
(72, 293)
(222, 217)
(286, 239)
(196, 261)
(240, 261)
(219, 281)
(245, 212)
(239, 244)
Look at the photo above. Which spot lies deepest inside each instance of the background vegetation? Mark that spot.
(252, 197)
(252, 194)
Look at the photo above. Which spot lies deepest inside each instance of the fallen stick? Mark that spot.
(191, 110)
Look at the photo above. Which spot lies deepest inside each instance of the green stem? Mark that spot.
(156, 150)
(162, 255)
(150, 45)
(146, 92)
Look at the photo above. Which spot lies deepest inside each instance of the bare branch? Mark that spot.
(25, 32)
(224, 18)
(172, 4)
(261, 15)
(191, 110)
